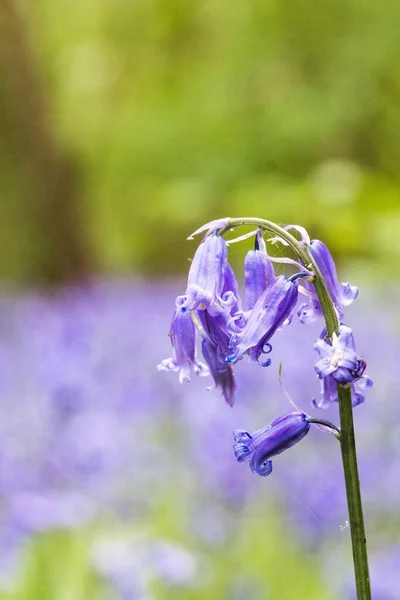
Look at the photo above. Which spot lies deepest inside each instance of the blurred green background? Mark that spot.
(126, 124)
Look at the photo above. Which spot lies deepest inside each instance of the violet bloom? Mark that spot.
(215, 348)
(340, 363)
(258, 271)
(263, 444)
(216, 337)
(338, 357)
(221, 372)
(183, 338)
(206, 278)
(311, 311)
(269, 313)
(342, 294)
(329, 392)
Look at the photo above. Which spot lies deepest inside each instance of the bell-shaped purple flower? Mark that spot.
(258, 271)
(338, 357)
(215, 348)
(342, 294)
(221, 372)
(310, 311)
(262, 445)
(340, 363)
(269, 313)
(206, 278)
(183, 338)
(329, 392)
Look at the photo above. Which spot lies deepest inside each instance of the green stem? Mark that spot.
(346, 437)
(356, 518)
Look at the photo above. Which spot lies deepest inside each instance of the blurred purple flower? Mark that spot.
(131, 565)
(48, 509)
(173, 564)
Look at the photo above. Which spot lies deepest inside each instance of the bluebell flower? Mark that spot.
(263, 444)
(216, 335)
(342, 294)
(329, 392)
(258, 271)
(221, 372)
(269, 313)
(310, 311)
(339, 363)
(183, 338)
(338, 358)
(215, 348)
(206, 278)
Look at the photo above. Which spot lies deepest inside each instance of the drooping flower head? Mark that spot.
(263, 444)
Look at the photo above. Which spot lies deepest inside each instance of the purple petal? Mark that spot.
(271, 310)
(221, 372)
(338, 357)
(183, 339)
(258, 271)
(342, 294)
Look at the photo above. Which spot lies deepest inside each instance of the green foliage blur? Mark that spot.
(179, 112)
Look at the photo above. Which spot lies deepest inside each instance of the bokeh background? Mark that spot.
(126, 124)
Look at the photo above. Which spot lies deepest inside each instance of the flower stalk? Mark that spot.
(346, 437)
(229, 331)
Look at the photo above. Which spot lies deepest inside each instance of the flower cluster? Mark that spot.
(213, 307)
(230, 329)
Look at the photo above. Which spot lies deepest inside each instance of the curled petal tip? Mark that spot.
(263, 469)
(211, 226)
(241, 451)
(241, 435)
